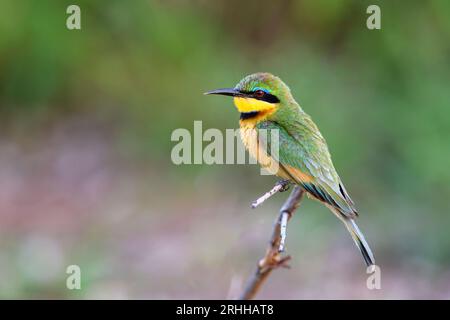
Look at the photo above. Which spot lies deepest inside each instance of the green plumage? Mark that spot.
(303, 153)
(301, 144)
(306, 150)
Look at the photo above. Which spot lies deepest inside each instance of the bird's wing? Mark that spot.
(303, 154)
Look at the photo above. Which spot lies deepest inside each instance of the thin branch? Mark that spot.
(273, 258)
(283, 230)
(280, 186)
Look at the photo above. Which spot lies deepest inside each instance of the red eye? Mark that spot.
(259, 93)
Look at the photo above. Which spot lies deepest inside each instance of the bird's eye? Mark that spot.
(259, 93)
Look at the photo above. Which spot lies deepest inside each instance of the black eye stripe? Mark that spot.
(266, 97)
(269, 98)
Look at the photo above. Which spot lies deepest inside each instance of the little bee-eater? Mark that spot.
(266, 103)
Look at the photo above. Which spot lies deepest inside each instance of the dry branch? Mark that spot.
(273, 258)
(280, 186)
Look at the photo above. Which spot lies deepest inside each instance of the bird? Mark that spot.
(265, 103)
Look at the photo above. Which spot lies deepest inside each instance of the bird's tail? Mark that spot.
(357, 236)
(359, 240)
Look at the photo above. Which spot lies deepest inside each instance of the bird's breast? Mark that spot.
(256, 148)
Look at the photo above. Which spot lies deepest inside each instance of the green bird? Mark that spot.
(265, 103)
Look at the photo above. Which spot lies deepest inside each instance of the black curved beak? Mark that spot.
(225, 92)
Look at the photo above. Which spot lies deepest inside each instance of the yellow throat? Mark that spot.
(245, 105)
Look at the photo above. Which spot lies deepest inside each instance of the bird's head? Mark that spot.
(256, 94)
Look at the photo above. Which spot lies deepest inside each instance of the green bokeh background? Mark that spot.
(86, 118)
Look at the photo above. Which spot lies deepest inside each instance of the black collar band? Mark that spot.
(249, 115)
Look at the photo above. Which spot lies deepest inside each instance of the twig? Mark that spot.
(280, 186)
(273, 258)
(283, 230)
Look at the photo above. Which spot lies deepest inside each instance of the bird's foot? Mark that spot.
(285, 185)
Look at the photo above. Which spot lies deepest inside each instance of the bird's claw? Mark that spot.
(285, 185)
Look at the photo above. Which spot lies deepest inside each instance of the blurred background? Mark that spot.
(86, 176)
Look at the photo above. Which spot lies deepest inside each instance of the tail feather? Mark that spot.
(360, 241)
(357, 236)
